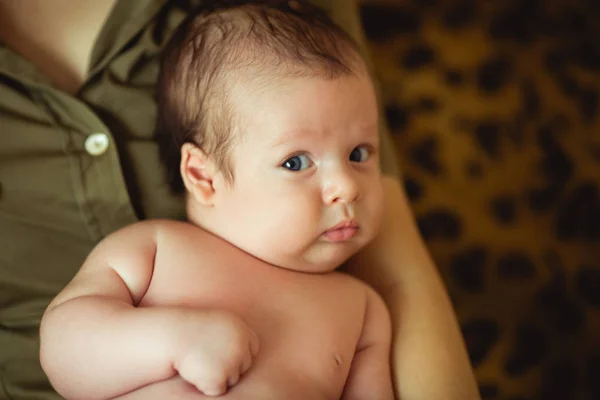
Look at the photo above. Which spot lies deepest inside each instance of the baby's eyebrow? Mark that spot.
(290, 136)
(305, 134)
(372, 128)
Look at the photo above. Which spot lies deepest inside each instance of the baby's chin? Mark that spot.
(322, 262)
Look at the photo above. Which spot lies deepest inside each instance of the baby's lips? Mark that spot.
(341, 234)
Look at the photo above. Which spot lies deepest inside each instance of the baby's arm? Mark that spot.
(370, 375)
(92, 344)
(96, 344)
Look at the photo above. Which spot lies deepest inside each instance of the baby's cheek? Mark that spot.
(296, 228)
(375, 212)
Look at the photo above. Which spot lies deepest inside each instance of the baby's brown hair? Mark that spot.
(270, 38)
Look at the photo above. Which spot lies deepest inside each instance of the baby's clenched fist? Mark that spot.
(214, 349)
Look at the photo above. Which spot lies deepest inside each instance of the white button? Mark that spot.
(96, 144)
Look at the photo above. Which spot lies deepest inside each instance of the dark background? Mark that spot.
(494, 106)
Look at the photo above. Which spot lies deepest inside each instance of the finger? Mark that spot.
(216, 390)
(214, 385)
(254, 344)
(233, 380)
(246, 364)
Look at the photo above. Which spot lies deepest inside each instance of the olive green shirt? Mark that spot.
(74, 168)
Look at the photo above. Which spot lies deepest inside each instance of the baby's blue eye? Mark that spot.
(297, 163)
(359, 154)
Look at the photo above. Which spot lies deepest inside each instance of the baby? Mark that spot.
(273, 132)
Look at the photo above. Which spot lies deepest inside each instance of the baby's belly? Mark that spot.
(303, 364)
(267, 384)
(277, 374)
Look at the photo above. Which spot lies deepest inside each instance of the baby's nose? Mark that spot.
(341, 188)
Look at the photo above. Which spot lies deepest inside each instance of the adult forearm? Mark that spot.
(98, 348)
(429, 358)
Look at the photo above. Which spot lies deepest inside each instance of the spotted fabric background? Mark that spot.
(494, 110)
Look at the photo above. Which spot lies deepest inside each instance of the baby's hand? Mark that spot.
(214, 349)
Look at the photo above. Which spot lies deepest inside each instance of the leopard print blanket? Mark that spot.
(494, 110)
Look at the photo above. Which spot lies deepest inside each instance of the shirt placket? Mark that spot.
(95, 170)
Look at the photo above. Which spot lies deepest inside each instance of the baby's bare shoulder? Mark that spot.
(348, 284)
(149, 227)
(192, 245)
(165, 230)
(348, 280)
(165, 225)
(162, 235)
(171, 232)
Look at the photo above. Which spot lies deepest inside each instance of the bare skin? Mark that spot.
(56, 36)
(207, 312)
(429, 359)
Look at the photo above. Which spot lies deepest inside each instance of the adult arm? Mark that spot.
(429, 359)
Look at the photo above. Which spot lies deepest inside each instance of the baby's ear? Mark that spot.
(197, 171)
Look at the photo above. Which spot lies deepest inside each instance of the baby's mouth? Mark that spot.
(341, 232)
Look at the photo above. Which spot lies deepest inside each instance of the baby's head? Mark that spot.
(272, 129)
